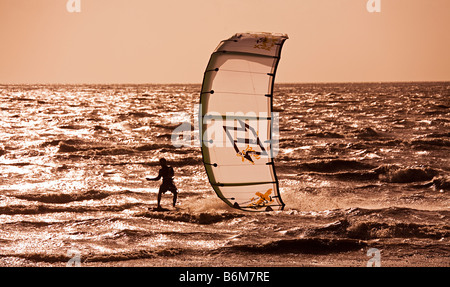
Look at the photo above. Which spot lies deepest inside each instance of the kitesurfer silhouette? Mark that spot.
(166, 172)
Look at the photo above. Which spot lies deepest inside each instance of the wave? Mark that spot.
(63, 197)
(73, 146)
(398, 174)
(367, 229)
(115, 151)
(371, 229)
(153, 146)
(66, 148)
(68, 142)
(438, 135)
(72, 127)
(429, 143)
(334, 165)
(397, 212)
(24, 99)
(301, 245)
(187, 161)
(90, 257)
(47, 208)
(132, 233)
(375, 230)
(441, 182)
(394, 222)
(131, 255)
(140, 114)
(70, 145)
(357, 170)
(77, 145)
(29, 224)
(354, 175)
(167, 126)
(369, 224)
(324, 135)
(199, 218)
(366, 133)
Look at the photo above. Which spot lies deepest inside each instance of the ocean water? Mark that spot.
(360, 165)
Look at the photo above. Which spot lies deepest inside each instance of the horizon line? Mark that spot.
(180, 83)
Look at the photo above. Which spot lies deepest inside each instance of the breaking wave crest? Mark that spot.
(365, 224)
(357, 170)
(398, 174)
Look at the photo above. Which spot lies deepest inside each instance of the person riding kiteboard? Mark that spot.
(166, 173)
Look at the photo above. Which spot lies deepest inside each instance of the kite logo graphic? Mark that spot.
(248, 153)
(261, 200)
(265, 43)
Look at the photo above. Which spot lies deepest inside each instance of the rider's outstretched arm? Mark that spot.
(156, 178)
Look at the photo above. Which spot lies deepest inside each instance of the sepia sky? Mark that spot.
(170, 41)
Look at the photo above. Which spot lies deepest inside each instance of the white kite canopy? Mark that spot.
(237, 122)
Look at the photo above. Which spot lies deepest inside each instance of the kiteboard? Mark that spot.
(159, 209)
(163, 209)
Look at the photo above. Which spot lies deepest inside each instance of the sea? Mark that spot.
(361, 166)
